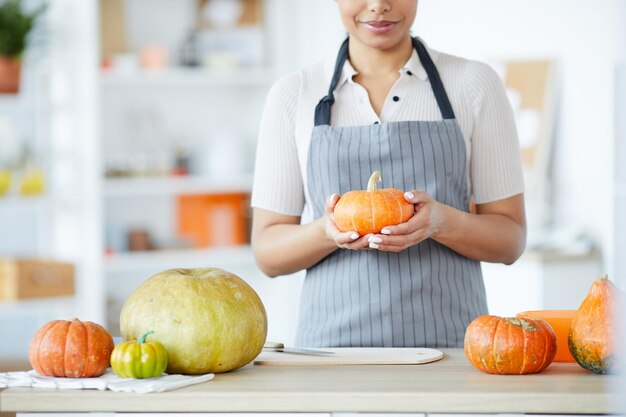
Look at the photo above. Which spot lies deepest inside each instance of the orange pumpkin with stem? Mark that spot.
(74, 349)
(370, 210)
(510, 346)
(593, 334)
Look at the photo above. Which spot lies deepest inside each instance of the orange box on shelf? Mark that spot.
(214, 219)
(34, 278)
(560, 321)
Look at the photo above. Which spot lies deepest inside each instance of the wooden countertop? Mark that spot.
(450, 385)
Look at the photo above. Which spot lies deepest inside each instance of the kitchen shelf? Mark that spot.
(157, 260)
(35, 304)
(19, 203)
(16, 104)
(177, 76)
(9, 100)
(144, 186)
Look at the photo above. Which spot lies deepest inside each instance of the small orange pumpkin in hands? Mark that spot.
(74, 349)
(510, 346)
(369, 211)
(593, 334)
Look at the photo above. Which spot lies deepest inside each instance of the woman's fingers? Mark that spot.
(395, 243)
(410, 233)
(329, 206)
(360, 243)
(343, 238)
(417, 197)
(348, 240)
(418, 221)
(351, 240)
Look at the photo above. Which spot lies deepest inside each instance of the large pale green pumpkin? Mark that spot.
(208, 319)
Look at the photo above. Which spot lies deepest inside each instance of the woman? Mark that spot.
(437, 126)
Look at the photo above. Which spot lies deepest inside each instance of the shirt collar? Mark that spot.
(413, 65)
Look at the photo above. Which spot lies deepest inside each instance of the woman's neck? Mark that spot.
(370, 61)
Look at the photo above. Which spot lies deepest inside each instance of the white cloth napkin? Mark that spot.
(108, 380)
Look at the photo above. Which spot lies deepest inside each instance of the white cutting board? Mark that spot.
(354, 356)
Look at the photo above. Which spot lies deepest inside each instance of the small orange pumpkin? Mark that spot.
(592, 337)
(510, 346)
(369, 211)
(71, 348)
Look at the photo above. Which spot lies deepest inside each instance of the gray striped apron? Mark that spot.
(423, 296)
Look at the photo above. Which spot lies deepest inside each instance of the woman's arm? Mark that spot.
(496, 233)
(282, 245)
(499, 230)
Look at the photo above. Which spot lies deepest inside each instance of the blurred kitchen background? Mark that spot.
(129, 147)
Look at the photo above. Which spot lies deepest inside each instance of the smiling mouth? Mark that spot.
(379, 23)
(379, 27)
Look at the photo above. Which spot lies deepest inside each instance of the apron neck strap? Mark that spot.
(322, 110)
(435, 80)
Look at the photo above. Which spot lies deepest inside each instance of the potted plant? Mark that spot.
(15, 25)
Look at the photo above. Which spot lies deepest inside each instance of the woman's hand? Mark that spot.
(346, 240)
(425, 223)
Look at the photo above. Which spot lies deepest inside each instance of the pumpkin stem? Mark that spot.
(374, 178)
(521, 322)
(603, 277)
(143, 337)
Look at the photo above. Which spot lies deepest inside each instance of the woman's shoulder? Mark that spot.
(295, 82)
(286, 85)
(463, 66)
(473, 74)
(299, 91)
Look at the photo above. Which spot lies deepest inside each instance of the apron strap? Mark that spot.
(322, 110)
(435, 80)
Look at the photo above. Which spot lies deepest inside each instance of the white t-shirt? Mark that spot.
(477, 95)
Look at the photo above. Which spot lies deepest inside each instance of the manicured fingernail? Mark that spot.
(409, 195)
(354, 236)
(374, 239)
(374, 246)
(385, 232)
(331, 197)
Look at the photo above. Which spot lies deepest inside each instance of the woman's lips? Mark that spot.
(379, 27)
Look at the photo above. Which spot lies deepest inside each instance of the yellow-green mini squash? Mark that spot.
(139, 359)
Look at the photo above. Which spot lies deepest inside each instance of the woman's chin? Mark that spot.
(381, 41)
